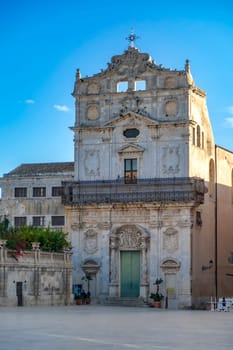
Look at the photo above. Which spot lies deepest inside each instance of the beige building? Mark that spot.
(31, 194)
(150, 196)
(34, 277)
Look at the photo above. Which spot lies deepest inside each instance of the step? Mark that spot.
(117, 301)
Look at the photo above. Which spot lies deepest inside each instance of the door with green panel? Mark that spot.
(130, 274)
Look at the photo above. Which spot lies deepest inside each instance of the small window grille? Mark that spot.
(57, 191)
(20, 192)
(38, 221)
(39, 191)
(58, 220)
(20, 221)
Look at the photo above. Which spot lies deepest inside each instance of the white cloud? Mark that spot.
(230, 109)
(29, 101)
(60, 108)
(229, 121)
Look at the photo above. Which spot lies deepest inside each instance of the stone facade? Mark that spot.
(150, 195)
(163, 131)
(35, 277)
(31, 194)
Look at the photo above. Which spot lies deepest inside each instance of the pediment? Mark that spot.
(131, 119)
(131, 58)
(170, 263)
(131, 148)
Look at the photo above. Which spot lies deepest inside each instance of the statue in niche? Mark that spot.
(90, 241)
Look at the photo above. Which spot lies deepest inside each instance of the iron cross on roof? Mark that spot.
(132, 38)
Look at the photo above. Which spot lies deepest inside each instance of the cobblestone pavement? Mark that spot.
(94, 327)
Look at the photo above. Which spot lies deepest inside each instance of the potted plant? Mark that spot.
(157, 296)
(87, 278)
(78, 299)
(88, 298)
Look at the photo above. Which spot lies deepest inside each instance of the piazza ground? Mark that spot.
(95, 327)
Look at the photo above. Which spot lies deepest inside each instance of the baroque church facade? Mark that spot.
(149, 194)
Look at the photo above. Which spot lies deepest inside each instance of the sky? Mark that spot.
(42, 43)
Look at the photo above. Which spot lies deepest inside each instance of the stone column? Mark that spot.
(3, 268)
(2, 249)
(144, 269)
(113, 286)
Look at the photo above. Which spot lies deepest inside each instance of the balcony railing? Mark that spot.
(145, 190)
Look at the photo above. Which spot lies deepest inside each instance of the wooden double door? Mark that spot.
(130, 274)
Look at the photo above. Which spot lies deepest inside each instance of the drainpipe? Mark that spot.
(216, 226)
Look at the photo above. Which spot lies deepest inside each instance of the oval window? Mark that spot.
(131, 133)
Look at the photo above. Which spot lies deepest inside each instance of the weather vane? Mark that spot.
(132, 38)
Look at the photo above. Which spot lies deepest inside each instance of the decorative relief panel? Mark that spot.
(170, 82)
(92, 112)
(93, 88)
(170, 240)
(171, 107)
(92, 163)
(170, 265)
(90, 241)
(130, 237)
(171, 160)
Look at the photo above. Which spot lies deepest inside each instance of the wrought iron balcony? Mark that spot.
(145, 190)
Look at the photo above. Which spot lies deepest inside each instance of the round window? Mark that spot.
(131, 133)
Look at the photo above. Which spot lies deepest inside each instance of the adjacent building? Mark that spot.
(31, 194)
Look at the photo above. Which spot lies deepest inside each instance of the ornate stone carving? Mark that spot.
(170, 240)
(90, 267)
(3, 243)
(75, 226)
(113, 242)
(170, 265)
(132, 62)
(171, 107)
(104, 225)
(92, 162)
(35, 245)
(93, 88)
(171, 160)
(170, 82)
(130, 237)
(90, 241)
(92, 112)
(131, 150)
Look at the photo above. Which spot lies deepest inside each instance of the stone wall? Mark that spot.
(34, 277)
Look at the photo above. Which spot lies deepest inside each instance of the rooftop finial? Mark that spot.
(187, 66)
(131, 38)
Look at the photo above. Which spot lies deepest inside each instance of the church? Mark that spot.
(149, 194)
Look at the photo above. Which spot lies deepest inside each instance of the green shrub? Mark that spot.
(22, 237)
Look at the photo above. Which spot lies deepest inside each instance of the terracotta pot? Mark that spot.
(157, 304)
(87, 300)
(79, 302)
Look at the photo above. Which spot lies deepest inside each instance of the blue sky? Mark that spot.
(44, 42)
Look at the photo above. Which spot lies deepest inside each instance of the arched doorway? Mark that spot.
(129, 246)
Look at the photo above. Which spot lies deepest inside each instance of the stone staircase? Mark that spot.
(133, 302)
